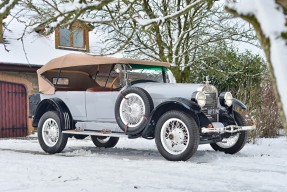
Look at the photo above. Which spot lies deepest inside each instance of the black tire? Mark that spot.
(80, 137)
(60, 143)
(241, 139)
(193, 135)
(107, 142)
(148, 105)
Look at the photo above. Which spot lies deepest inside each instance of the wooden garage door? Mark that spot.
(13, 110)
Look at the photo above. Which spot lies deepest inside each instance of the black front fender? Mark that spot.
(186, 105)
(177, 103)
(238, 103)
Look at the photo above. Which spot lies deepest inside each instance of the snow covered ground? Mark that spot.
(135, 165)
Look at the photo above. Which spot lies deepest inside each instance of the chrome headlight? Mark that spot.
(200, 97)
(226, 98)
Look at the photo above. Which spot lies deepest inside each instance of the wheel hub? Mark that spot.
(53, 132)
(174, 136)
(50, 132)
(132, 110)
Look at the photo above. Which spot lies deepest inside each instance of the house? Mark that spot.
(21, 55)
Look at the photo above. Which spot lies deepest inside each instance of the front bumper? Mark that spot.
(227, 129)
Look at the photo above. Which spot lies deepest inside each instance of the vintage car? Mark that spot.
(106, 98)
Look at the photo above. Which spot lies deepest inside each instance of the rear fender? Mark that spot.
(54, 104)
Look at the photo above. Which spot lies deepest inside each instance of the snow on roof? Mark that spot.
(39, 49)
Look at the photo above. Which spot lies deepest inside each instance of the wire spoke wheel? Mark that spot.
(234, 143)
(50, 132)
(102, 141)
(50, 136)
(228, 142)
(132, 110)
(174, 136)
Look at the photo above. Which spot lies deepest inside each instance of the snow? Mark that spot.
(272, 21)
(39, 49)
(136, 165)
(6, 6)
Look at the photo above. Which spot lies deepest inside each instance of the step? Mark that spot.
(104, 133)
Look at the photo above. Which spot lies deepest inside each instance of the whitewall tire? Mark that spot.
(50, 136)
(177, 135)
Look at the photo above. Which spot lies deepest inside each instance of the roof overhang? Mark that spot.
(17, 67)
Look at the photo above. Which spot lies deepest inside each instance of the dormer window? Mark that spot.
(75, 38)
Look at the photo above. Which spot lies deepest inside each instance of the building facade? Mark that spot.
(17, 82)
(23, 50)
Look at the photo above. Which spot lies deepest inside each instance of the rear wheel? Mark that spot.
(107, 142)
(50, 135)
(80, 137)
(176, 136)
(235, 142)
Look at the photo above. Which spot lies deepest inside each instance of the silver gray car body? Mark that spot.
(79, 98)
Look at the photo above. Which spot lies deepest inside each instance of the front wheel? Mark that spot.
(234, 143)
(50, 136)
(176, 136)
(102, 141)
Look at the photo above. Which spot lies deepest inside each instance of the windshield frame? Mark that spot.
(128, 68)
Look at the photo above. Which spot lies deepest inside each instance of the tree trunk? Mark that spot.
(266, 45)
(1, 30)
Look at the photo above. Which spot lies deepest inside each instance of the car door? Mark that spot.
(100, 106)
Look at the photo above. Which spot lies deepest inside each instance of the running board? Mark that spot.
(96, 133)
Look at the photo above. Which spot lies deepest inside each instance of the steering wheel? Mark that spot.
(113, 82)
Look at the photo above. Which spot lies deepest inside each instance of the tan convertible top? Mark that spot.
(77, 60)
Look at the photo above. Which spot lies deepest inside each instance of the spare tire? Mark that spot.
(132, 109)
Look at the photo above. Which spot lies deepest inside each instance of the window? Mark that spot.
(76, 38)
(60, 81)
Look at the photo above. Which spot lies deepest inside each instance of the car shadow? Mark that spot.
(128, 153)
(200, 157)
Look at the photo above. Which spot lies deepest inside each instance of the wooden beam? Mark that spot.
(16, 67)
(1, 30)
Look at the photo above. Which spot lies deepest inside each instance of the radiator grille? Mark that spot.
(210, 108)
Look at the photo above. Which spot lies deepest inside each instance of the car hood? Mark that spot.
(163, 91)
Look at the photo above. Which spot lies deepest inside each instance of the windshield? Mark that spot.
(145, 73)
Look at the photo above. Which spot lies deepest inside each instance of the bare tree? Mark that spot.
(166, 31)
(6, 6)
(169, 30)
(273, 39)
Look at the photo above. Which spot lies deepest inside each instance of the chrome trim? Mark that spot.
(228, 129)
(211, 105)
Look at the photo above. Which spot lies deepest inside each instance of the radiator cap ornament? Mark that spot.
(207, 80)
